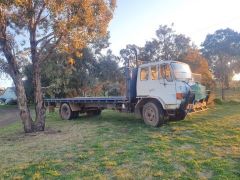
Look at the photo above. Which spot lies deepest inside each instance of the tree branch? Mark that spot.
(51, 49)
(39, 14)
(45, 37)
(40, 20)
(45, 44)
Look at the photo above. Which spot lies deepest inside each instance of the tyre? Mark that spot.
(65, 112)
(153, 114)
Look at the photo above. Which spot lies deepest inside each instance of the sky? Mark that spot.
(135, 21)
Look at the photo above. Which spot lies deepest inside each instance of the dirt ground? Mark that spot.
(8, 116)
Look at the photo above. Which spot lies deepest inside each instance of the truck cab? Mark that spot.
(163, 91)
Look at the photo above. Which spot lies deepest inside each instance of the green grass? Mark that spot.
(119, 146)
(5, 106)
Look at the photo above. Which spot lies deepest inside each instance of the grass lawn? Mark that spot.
(5, 106)
(118, 146)
(230, 94)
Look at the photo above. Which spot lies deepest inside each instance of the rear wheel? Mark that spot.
(153, 114)
(65, 112)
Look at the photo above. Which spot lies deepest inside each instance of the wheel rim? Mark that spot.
(150, 114)
(65, 112)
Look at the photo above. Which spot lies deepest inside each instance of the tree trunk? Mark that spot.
(39, 103)
(223, 91)
(40, 110)
(22, 105)
(20, 90)
(222, 76)
(14, 72)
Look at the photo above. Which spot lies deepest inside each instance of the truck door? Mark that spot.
(143, 83)
(163, 84)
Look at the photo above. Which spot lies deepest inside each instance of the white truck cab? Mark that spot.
(165, 85)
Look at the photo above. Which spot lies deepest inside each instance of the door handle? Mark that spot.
(163, 83)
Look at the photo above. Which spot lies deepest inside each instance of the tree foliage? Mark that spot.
(130, 55)
(67, 26)
(92, 74)
(198, 65)
(222, 49)
(167, 46)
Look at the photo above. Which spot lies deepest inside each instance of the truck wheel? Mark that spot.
(153, 114)
(65, 112)
(94, 112)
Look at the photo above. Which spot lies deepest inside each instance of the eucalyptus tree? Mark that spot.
(222, 49)
(64, 25)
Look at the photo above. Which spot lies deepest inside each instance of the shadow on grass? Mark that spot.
(112, 117)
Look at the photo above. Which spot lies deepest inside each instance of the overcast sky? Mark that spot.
(136, 21)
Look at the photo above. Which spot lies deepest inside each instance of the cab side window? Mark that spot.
(165, 72)
(154, 72)
(168, 75)
(161, 72)
(144, 74)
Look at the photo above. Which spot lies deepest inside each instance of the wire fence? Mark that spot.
(232, 94)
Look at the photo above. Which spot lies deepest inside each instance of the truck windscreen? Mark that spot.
(181, 71)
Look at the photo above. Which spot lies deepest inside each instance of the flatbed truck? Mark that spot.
(155, 91)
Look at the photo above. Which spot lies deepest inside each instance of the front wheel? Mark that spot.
(153, 114)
